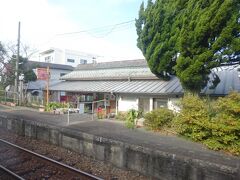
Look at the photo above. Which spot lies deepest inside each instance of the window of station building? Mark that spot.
(71, 60)
(62, 74)
(159, 103)
(62, 93)
(128, 98)
(87, 98)
(48, 59)
(83, 61)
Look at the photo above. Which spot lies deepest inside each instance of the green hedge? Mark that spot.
(54, 105)
(158, 118)
(214, 123)
(132, 116)
(2, 98)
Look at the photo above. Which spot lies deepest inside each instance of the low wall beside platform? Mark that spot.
(146, 161)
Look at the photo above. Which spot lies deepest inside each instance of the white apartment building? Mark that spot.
(66, 57)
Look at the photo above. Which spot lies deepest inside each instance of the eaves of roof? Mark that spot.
(34, 64)
(153, 87)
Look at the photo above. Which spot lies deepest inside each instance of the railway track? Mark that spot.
(19, 163)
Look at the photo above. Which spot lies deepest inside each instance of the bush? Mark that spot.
(132, 115)
(2, 91)
(6, 99)
(158, 118)
(216, 124)
(54, 105)
(225, 125)
(193, 114)
(121, 116)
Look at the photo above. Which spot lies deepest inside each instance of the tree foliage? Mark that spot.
(8, 67)
(2, 56)
(29, 75)
(189, 37)
(214, 123)
(3, 65)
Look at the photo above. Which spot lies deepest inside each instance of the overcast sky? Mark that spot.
(44, 21)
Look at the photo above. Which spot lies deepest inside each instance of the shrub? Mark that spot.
(193, 115)
(132, 115)
(2, 92)
(158, 118)
(216, 124)
(6, 99)
(54, 105)
(121, 116)
(225, 125)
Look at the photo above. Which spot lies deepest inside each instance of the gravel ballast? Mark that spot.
(79, 161)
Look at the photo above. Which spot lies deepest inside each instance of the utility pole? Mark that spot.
(48, 77)
(16, 69)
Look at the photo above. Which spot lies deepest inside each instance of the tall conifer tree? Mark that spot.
(189, 37)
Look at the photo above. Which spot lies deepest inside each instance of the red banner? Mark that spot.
(42, 73)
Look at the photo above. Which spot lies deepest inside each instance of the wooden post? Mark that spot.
(16, 70)
(48, 84)
(68, 120)
(105, 105)
(5, 93)
(92, 110)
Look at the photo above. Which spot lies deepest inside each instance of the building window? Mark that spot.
(160, 103)
(62, 93)
(62, 74)
(71, 60)
(125, 98)
(48, 59)
(83, 61)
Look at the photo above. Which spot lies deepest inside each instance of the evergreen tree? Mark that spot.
(8, 66)
(8, 75)
(189, 37)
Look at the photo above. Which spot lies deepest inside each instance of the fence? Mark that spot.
(9, 97)
(95, 111)
(96, 108)
(35, 100)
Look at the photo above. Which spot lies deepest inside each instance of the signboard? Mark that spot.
(42, 73)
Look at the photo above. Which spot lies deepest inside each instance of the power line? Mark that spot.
(102, 34)
(103, 28)
(98, 32)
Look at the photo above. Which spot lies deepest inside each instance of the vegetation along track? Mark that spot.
(19, 163)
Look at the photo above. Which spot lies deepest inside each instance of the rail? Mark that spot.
(11, 173)
(54, 163)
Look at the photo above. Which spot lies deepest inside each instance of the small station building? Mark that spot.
(123, 84)
(130, 85)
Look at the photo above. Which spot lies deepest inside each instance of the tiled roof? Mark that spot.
(111, 74)
(114, 64)
(117, 70)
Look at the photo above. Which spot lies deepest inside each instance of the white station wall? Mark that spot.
(173, 104)
(127, 103)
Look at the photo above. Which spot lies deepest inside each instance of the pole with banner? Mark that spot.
(48, 74)
(44, 74)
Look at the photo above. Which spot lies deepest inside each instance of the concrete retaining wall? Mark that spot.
(146, 161)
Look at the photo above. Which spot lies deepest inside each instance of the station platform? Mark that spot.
(178, 152)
